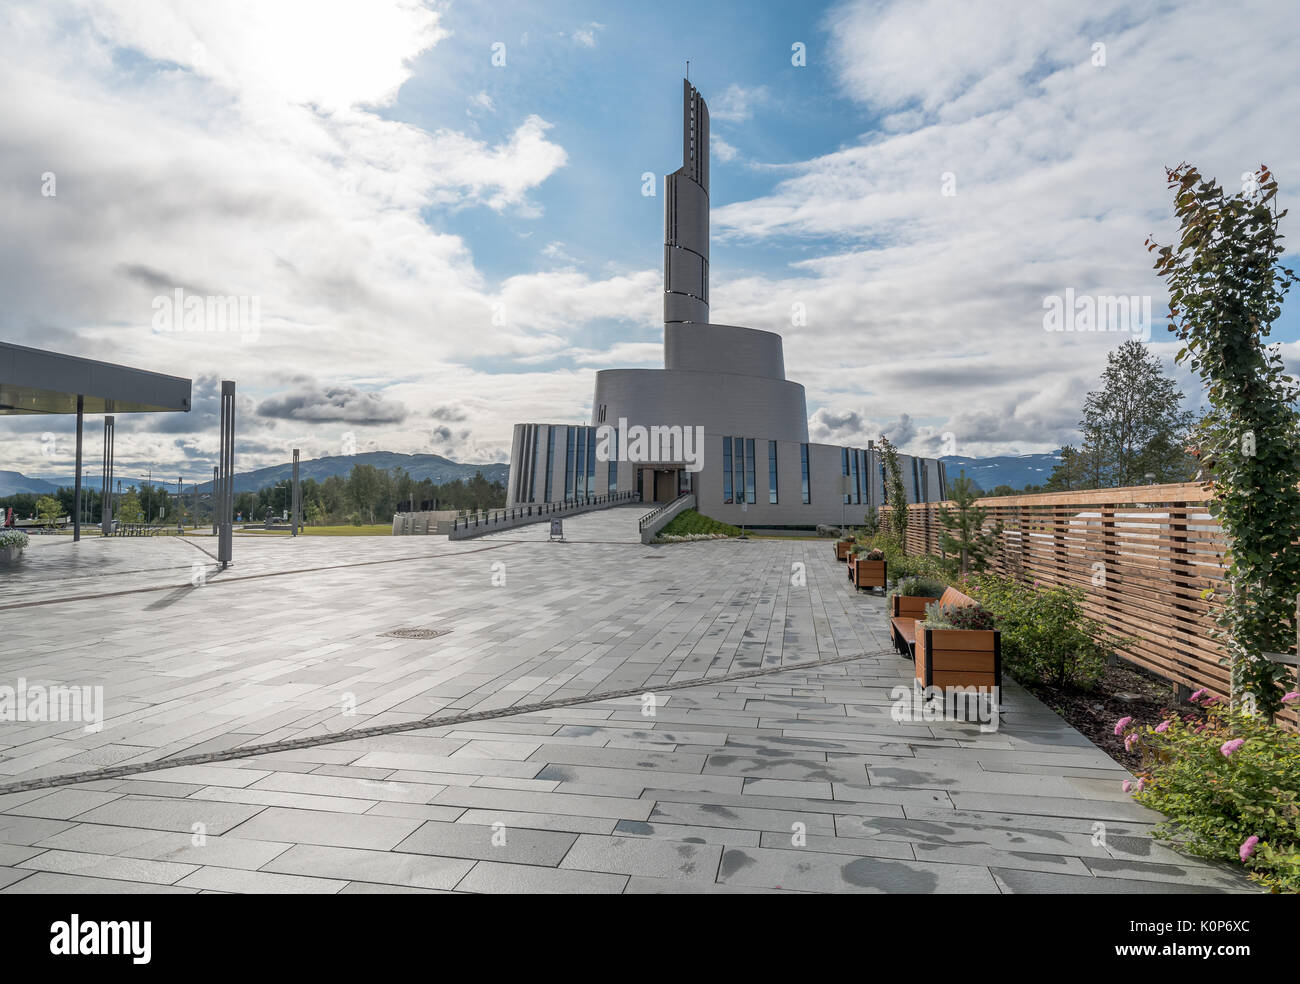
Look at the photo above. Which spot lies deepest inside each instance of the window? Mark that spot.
(844, 469)
(580, 464)
(749, 469)
(857, 481)
(916, 482)
(550, 459)
(803, 468)
(613, 460)
(738, 468)
(568, 464)
(591, 461)
(726, 469)
(771, 471)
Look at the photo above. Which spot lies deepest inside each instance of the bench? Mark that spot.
(842, 548)
(905, 612)
(947, 658)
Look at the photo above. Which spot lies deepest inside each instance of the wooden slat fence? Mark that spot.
(1143, 555)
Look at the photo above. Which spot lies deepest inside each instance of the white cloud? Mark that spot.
(586, 36)
(736, 103)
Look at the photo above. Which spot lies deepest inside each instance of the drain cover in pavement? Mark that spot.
(416, 633)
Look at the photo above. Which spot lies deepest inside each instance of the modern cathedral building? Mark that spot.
(720, 419)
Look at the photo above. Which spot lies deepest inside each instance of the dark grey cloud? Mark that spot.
(333, 404)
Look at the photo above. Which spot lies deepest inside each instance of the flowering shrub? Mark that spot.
(12, 538)
(1229, 784)
(939, 616)
(1045, 634)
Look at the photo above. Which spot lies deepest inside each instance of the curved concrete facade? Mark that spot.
(720, 402)
(724, 348)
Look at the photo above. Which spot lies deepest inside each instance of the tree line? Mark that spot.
(366, 495)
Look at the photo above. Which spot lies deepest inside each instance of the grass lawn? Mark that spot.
(689, 521)
(377, 529)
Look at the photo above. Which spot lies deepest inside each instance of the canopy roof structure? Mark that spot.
(36, 381)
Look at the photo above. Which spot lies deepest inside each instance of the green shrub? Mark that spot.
(918, 587)
(975, 616)
(1229, 786)
(924, 565)
(1046, 636)
(13, 538)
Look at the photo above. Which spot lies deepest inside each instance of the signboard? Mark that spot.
(557, 528)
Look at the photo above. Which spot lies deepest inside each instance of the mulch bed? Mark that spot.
(1146, 698)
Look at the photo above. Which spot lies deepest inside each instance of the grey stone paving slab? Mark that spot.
(815, 871)
(105, 866)
(330, 829)
(56, 883)
(496, 842)
(498, 878)
(381, 867)
(641, 856)
(154, 845)
(260, 882)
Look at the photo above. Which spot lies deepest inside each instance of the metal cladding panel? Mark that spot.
(721, 403)
(724, 348)
(686, 214)
(36, 381)
(679, 307)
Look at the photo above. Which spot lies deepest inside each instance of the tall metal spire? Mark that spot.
(686, 218)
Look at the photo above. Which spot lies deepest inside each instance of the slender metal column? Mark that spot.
(76, 482)
(215, 471)
(106, 495)
(226, 500)
(295, 511)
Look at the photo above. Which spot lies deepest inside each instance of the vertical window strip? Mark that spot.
(726, 469)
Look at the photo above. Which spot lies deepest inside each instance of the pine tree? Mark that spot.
(963, 527)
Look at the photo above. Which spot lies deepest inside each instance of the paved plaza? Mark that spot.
(751, 747)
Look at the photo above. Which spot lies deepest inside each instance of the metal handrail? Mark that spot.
(504, 515)
(650, 517)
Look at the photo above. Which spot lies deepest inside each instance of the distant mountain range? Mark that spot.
(1016, 470)
(16, 483)
(988, 473)
(421, 466)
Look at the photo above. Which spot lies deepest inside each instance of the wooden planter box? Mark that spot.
(842, 548)
(10, 555)
(868, 574)
(958, 658)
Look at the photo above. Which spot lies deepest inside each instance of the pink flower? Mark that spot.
(1142, 784)
(1228, 747)
(1293, 695)
(1197, 696)
(1212, 699)
(1163, 726)
(1126, 785)
(1248, 847)
(1128, 742)
(1121, 724)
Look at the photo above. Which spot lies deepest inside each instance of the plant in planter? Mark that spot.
(12, 544)
(867, 568)
(910, 595)
(958, 646)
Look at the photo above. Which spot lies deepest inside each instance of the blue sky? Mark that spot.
(441, 247)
